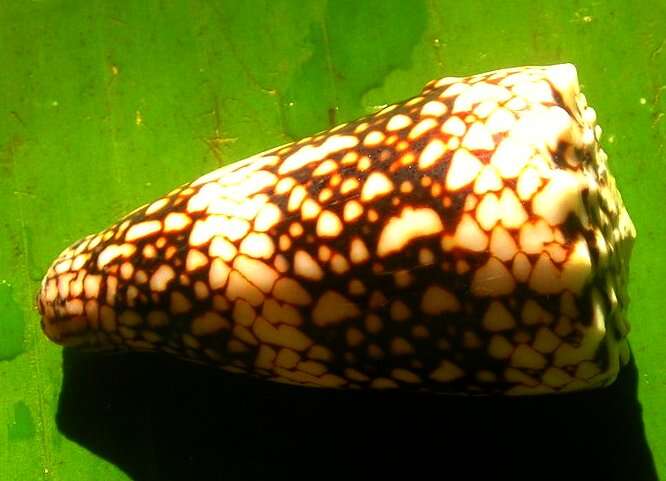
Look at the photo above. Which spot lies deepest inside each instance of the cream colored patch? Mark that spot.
(265, 357)
(332, 308)
(310, 209)
(358, 252)
(478, 138)
(401, 347)
(309, 153)
(209, 323)
(454, 126)
(287, 358)
(63, 266)
(157, 206)
(521, 267)
(426, 257)
(528, 183)
(306, 266)
(281, 263)
(257, 272)
(492, 279)
(201, 290)
(257, 245)
(488, 211)
(399, 311)
(284, 185)
(446, 372)
(339, 264)
(218, 274)
(477, 93)
(202, 199)
(432, 153)
(329, 225)
(239, 287)
(488, 180)
(91, 285)
(112, 252)
(437, 300)
(355, 337)
(195, 260)
(577, 269)
(546, 126)
(243, 313)
(498, 318)
(298, 194)
(484, 109)
(221, 247)
(526, 357)
(453, 90)
(513, 214)
(267, 217)
(398, 122)
(411, 224)
(546, 341)
(373, 138)
(559, 197)
(421, 128)
(284, 336)
(434, 109)
(502, 244)
(376, 185)
(501, 120)
(405, 376)
(352, 211)
(179, 304)
(463, 169)
(204, 229)
(510, 157)
(545, 277)
(356, 288)
(469, 235)
(383, 383)
(236, 229)
(291, 291)
(533, 236)
(499, 347)
(161, 278)
(325, 168)
(349, 185)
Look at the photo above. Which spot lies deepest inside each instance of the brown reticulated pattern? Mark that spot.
(468, 240)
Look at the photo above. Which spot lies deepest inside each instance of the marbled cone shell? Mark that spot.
(468, 240)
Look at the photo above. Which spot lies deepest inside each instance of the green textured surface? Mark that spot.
(105, 105)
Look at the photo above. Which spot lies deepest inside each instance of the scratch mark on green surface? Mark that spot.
(114, 72)
(657, 51)
(332, 110)
(9, 151)
(22, 427)
(216, 142)
(17, 117)
(252, 78)
(12, 324)
(436, 19)
(241, 62)
(658, 114)
(352, 50)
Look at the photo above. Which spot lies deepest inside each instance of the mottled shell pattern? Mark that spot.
(468, 240)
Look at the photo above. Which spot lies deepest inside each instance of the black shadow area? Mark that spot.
(162, 419)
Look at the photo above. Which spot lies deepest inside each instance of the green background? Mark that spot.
(106, 105)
